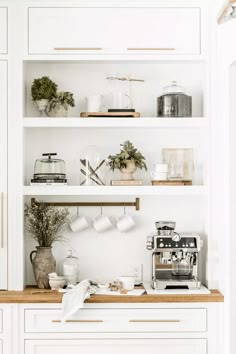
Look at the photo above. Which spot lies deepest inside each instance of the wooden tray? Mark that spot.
(110, 114)
(172, 183)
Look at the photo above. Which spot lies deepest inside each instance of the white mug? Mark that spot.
(79, 223)
(94, 103)
(127, 282)
(102, 223)
(125, 223)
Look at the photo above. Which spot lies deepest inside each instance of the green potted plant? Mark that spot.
(127, 161)
(59, 104)
(42, 91)
(45, 224)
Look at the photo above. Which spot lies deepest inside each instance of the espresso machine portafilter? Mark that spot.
(174, 258)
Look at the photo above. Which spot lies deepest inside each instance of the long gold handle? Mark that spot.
(78, 321)
(77, 48)
(154, 321)
(150, 48)
(2, 219)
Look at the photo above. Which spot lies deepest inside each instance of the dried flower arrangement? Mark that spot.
(45, 223)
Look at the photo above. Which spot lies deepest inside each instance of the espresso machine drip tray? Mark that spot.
(172, 290)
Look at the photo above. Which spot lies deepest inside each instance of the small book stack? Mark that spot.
(131, 182)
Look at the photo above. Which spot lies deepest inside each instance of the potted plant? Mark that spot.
(127, 161)
(42, 91)
(45, 224)
(59, 104)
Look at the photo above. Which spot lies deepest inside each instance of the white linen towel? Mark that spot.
(73, 299)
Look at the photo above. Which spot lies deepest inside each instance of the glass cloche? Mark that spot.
(70, 269)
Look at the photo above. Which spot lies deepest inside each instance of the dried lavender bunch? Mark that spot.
(45, 223)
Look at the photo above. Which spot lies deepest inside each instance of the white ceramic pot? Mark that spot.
(127, 172)
(57, 283)
(42, 106)
(58, 111)
(127, 282)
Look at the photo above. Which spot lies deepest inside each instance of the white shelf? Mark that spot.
(154, 122)
(113, 190)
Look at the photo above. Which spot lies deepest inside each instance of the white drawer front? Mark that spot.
(134, 346)
(114, 30)
(117, 320)
(1, 320)
(3, 30)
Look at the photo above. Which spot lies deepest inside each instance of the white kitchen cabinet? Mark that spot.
(134, 346)
(118, 30)
(3, 174)
(3, 30)
(117, 320)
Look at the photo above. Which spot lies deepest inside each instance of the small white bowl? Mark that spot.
(57, 283)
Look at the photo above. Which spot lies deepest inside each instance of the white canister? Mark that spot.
(94, 103)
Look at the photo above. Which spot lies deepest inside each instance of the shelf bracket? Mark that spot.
(135, 204)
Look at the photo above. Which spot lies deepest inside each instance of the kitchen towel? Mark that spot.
(73, 299)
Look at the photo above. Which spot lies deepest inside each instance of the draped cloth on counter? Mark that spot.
(73, 299)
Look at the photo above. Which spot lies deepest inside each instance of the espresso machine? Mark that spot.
(175, 258)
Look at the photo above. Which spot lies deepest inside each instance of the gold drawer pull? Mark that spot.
(78, 321)
(159, 48)
(78, 48)
(154, 321)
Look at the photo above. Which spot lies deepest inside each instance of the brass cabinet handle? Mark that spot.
(2, 219)
(154, 321)
(77, 48)
(150, 48)
(78, 321)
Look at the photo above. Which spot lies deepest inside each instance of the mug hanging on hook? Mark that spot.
(79, 223)
(125, 222)
(102, 222)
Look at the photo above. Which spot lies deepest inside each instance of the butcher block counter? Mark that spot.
(34, 295)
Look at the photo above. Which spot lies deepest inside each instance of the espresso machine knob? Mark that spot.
(161, 244)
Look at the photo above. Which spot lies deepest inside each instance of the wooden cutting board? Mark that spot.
(172, 183)
(110, 114)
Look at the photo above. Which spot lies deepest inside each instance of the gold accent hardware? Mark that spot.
(135, 204)
(154, 321)
(149, 48)
(78, 321)
(78, 48)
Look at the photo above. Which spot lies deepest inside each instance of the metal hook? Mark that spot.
(77, 211)
(124, 210)
(101, 209)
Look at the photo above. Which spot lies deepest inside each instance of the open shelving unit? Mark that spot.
(143, 122)
(115, 190)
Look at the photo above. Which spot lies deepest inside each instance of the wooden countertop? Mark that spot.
(34, 295)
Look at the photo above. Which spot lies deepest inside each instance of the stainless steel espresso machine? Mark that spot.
(174, 258)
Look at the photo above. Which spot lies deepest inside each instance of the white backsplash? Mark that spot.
(111, 254)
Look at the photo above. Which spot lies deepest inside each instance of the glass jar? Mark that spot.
(70, 269)
(92, 167)
(180, 163)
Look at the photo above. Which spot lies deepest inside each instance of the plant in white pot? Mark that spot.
(42, 91)
(59, 105)
(127, 161)
(45, 224)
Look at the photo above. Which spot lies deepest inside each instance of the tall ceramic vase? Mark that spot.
(43, 263)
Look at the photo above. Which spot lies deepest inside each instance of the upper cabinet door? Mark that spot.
(114, 31)
(3, 30)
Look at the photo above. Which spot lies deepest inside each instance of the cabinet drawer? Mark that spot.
(3, 30)
(114, 346)
(114, 30)
(117, 320)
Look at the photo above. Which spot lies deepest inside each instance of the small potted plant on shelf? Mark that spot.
(45, 224)
(42, 91)
(127, 161)
(59, 104)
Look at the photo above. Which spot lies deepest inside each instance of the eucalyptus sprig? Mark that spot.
(45, 223)
(127, 153)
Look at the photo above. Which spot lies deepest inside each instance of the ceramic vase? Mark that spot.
(43, 263)
(58, 111)
(42, 106)
(127, 172)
